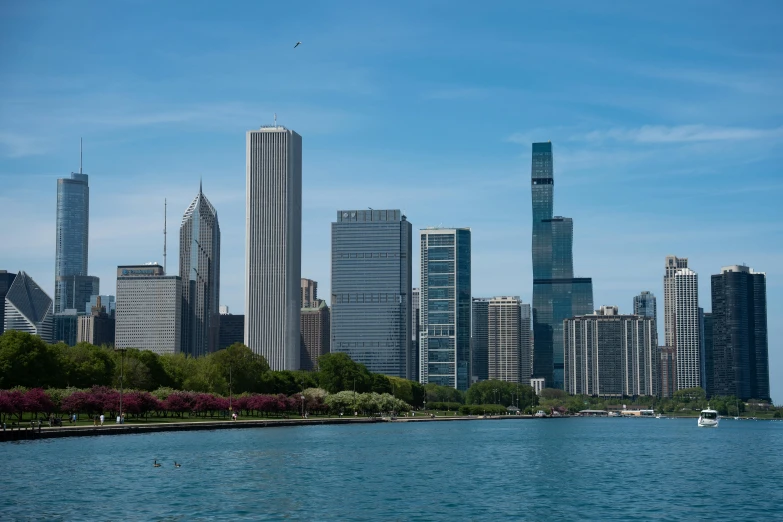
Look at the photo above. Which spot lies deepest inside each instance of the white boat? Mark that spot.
(708, 418)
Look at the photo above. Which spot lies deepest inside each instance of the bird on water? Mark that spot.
(177, 465)
(155, 463)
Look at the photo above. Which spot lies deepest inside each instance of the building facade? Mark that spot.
(415, 330)
(672, 264)
(557, 294)
(29, 309)
(66, 327)
(611, 355)
(273, 245)
(707, 352)
(232, 330)
(315, 334)
(98, 327)
(687, 343)
(479, 340)
(72, 237)
(6, 280)
(309, 296)
(645, 305)
(508, 343)
(149, 309)
(668, 372)
(445, 307)
(740, 344)
(199, 270)
(371, 290)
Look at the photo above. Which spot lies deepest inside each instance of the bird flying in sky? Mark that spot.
(297, 44)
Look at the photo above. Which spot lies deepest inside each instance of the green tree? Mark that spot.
(381, 383)
(177, 367)
(437, 393)
(26, 360)
(501, 392)
(337, 372)
(86, 365)
(241, 367)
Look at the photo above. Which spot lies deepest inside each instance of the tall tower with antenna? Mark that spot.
(165, 212)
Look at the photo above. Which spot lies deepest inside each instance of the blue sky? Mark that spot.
(666, 122)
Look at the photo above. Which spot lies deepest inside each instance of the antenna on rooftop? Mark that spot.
(80, 156)
(275, 119)
(164, 234)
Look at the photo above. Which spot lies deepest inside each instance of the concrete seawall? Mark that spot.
(36, 433)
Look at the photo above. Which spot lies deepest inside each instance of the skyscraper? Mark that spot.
(315, 334)
(273, 249)
(707, 352)
(645, 305)
(445, 307)
(687, 343)
(371, 290)
(6, 280)
(309, 296)
(98, 327)
(509, 340)
(479, 340)
(28, 308)
(608, 354)
(740, 344)
(415, 329)
(149, 309)
(72, 286)
(557, 294)
(673, 263)
(199, 270)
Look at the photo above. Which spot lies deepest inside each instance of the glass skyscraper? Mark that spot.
(557, 294)
(199, 269)
(479, 340)
(445, 307)
(371, 290)
(645, 305)
(72, 286)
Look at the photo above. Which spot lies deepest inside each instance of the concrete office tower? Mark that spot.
(199, 269)
(309, 296)
(371, 290)
(645, 305)
(740, 343)
(673, 264)
(72, 286)
(232, 330)
(557, 294)
(611, 355)
(6, 280)
(28, 308)
(273, 245)
(445, 307)
(98, 327)
(509, 340)
(479, 340)
(315, 334)
(686, 328)
(149, 309)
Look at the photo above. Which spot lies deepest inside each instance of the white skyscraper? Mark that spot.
(509, 340)
(686, 326)
(273, 245)
(673, 263)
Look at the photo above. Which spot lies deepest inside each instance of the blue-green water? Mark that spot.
(569, 469)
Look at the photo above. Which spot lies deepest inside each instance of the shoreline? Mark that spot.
(37, 433)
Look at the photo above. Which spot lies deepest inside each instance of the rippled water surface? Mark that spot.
(557, 469)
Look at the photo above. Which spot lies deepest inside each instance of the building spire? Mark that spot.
(200, 192)
(80, 156)
(164, 234)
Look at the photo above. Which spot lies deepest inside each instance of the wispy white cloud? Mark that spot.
(680, 134)
(14, 145)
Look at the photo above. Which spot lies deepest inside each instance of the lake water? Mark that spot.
(558, 469)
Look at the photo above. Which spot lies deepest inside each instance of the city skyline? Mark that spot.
(643, 116)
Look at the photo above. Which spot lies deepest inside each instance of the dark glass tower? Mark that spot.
(371, 290)
(199, 269)
(739, 333)
(557, 295)
(479, 340)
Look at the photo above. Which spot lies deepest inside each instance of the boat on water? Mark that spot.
(708, 418)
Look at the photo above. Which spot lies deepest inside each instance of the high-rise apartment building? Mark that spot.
(445, 307)
(199, 270)
(557, 294)
(6, 280)
(28, 308)
(479, 340)
(315, 334)
(740, 343)
(98, 327)
(668, 372)
(611, 355)
(72, 286)
(309, 296)
(415, 329)
(273, 249)
(508, 343)
(371, 290)
(687, 343)
(645, 305)
(673, 263)
(707, 362)
(149, 309)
